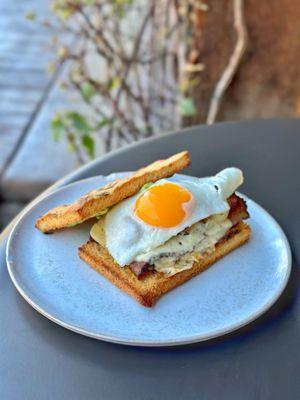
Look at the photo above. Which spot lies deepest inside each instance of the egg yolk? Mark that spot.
(164, 205)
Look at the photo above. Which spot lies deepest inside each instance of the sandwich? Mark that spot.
(96, 202)
(156, 229)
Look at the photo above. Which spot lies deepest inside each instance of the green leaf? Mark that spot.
(30, 15)
(75, 74)
(116, 82)
(113, 83)
(57, 127)
(51, 68)
(146, 187)
(63, 12)
(89, 144)
(62, 52)
(120, 12)
(121, 7)
(71, 147)
(187, 107)
(87, 90)
(101, 213)
(79, 123)
(103, 122)
(89, 2)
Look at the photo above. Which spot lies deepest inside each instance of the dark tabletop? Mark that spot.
(40, 360)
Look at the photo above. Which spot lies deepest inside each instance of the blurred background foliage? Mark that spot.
(144, 67)
(124, 70)
(129, 63)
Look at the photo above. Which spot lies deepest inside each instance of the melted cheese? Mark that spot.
(97, 232)
(127, 237)
(180, 252)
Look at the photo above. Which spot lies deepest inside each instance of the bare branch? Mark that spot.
(99, 33)
(138, 92)
(234, 61)
(136, 46)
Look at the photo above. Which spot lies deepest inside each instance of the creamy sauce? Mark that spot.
(180, 252)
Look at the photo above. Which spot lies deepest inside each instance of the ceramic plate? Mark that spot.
(234, 291)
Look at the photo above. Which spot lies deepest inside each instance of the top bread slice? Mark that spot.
(91, 204)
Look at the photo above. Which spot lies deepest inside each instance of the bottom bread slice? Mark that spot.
(149, 289)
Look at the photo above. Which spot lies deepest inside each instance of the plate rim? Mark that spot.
(139, 342)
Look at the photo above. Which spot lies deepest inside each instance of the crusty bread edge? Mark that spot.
(88, 206)
(89, 252)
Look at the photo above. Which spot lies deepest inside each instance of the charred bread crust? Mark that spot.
(148, 290)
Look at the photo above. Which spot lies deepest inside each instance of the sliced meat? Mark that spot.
(238, 209)
(140, 268)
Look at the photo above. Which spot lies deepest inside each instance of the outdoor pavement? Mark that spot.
(29, 159)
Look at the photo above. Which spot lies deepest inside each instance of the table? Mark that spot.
(40, 360)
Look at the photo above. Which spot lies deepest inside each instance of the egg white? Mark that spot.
(127, 236)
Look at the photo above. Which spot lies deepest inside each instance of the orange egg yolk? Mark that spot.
(163, 205)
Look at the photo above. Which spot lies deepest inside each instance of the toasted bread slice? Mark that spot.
(94, 202)
(148, 290)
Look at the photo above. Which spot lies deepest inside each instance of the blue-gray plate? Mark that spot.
(48, 273)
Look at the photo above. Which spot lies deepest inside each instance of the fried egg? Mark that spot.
(142, 222)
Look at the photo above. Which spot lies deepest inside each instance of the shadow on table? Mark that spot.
(75, 343)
